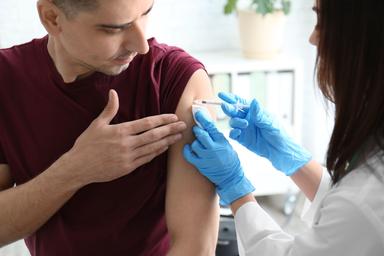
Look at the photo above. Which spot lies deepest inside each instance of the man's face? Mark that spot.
(106, 39)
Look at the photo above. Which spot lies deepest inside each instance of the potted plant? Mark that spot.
(261, 25)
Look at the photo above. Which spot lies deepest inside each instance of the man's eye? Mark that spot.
(112, 31)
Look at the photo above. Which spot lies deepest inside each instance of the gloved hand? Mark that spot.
(215, 158)
(255, 129)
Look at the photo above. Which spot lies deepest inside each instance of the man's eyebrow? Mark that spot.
(114, 26)
(148, 11)
(315, 9)
(122, 26)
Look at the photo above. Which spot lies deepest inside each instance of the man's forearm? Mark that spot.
(25, 208)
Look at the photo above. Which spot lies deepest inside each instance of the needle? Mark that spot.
(207, 102)
(240, 107)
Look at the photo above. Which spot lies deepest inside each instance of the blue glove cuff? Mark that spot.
(297, 162)
(228, 194)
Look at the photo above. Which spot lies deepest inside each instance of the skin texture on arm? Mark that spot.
(308, 178)
(241, 201)
(40, 198)
(192, 209)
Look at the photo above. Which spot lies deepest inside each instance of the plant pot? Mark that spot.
(261, 36)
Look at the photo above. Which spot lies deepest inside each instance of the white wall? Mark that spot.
(19, 22)
(194, 25)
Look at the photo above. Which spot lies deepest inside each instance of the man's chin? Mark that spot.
(115, 70)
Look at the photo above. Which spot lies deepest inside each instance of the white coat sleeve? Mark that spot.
(310, 208)
(340, 229)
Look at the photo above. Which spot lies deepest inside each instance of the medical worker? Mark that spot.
(347, 210)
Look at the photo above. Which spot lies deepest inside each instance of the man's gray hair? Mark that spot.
(72, 7)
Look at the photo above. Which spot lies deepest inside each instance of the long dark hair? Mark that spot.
(350, 73)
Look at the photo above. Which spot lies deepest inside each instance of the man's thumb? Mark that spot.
(111, 108)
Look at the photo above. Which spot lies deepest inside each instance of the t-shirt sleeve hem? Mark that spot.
(179, 70)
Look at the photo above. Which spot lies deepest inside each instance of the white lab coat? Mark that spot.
(345, 220)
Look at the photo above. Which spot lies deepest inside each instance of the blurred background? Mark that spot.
(284, 83)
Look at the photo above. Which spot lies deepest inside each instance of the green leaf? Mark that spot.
(264, 6)
(286, 6)
(230, 6)
(261, 6)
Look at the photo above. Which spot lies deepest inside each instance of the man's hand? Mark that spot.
(105, 152)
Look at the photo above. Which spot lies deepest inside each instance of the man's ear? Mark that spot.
(49, 16)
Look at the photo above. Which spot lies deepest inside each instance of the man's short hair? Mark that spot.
(72, 7)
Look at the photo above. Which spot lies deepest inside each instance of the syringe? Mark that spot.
(240, 107)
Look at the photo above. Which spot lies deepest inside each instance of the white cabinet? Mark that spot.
(277, 85)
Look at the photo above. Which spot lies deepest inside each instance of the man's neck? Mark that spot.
(68, 70)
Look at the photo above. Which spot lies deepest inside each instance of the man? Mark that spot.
(82, 156)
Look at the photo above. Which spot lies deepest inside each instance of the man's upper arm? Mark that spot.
(192, 210)
(5, 177)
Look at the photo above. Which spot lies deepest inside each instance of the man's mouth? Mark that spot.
(124, 59)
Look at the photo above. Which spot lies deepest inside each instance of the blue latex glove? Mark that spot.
(215, 158)
(255, 129)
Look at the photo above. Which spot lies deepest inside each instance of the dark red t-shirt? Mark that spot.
(41, 117)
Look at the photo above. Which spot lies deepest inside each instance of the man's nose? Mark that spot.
(136, 40)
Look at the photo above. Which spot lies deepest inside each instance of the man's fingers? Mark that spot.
(155, 146)
(148, 123)
(159, 133)
(147, 158)
(110, 109)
